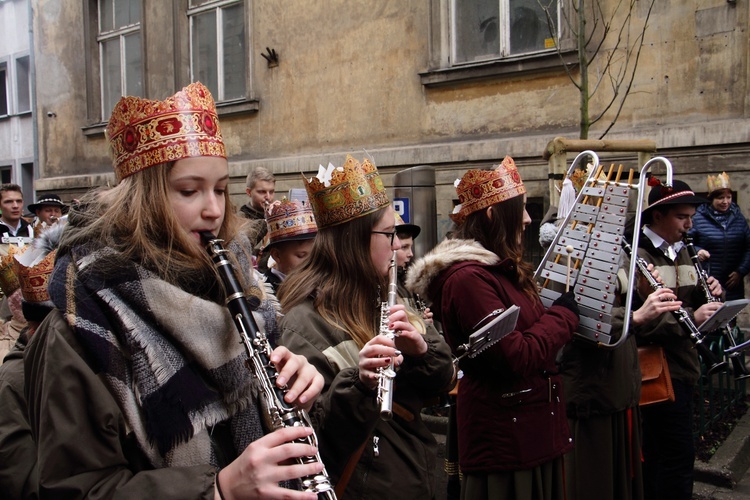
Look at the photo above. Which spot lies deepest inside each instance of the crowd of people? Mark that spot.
(126, 376)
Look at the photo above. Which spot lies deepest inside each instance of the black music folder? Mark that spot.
(724, 315)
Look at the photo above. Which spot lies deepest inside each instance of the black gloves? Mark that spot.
(568, 300)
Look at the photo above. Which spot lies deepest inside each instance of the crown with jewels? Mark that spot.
(716, 182)
(143, 133)
(341, 194)
(290, 220)
(479, 189)
(33, 274)
(9, 282)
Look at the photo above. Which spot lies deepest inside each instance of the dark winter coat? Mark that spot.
(510, 409)
(727, 239)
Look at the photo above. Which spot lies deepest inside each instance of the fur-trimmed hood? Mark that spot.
(425, 270)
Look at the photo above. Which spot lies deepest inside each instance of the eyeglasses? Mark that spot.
(392, 234)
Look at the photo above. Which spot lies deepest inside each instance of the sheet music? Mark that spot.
(724, 315)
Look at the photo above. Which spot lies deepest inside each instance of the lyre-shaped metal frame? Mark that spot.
(593, 181)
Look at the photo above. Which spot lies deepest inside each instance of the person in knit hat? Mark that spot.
(137, 382)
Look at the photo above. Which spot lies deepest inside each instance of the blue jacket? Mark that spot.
(728, 244)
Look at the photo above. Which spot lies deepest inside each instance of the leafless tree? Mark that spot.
(609, 46)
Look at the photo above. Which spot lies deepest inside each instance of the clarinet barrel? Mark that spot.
(258, 350)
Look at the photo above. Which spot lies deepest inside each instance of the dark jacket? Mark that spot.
(25, 229)
(510, 409)
(727, 238)
(62, 392)
(18, 472)
(666, 331)
(346, 414)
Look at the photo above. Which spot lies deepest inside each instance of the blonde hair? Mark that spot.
(345, 285)
(136, 219)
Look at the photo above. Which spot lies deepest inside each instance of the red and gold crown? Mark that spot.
(479, 189)
(143, 133)
(290, 220)
(345, 193)
(8, 279)
(34, 278)
(716, 182)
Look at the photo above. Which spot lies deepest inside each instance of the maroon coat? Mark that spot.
(511, 415)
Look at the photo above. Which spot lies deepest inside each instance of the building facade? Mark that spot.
(445, 83)
(16, 97)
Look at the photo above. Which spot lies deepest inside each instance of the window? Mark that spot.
(4, 107)
(120, 53)
(23, 85)
(490, 29)
(217, 47)
(473, 40)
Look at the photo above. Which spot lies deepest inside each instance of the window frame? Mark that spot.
(16, 84)
(443, 71)
(218, 7)
(119, 33)
(4, 81)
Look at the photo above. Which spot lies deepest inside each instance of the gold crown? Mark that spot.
(143, 133)
(291, 220)
(35, 278)
(8, 279)
(479, 189)
(345, 193)
(716, 182)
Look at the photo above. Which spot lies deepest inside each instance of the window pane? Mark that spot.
(106, 16)
(111, 86)
(529, 30)
(22, 84)
(133, 67)
(3, 89)
(204, 57)
(234, 52)
(476, 29)
(127, 12)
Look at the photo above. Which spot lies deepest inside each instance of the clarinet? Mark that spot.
(740, 372)
(386, 374)
(683, 318)
(258, 351)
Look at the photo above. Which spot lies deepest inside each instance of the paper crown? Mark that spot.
(479, 189)
(290, 220)
(716, 182)
(341, 194)
(9, 282)
(33, 274)
(143, 133)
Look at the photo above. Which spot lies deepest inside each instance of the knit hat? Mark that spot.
(479, 189)
(342, 194)
(143, 133)
(290, 220)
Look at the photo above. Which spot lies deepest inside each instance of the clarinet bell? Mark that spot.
(738, 368)
(709, 358)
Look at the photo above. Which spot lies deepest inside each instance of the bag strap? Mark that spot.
(343, 482)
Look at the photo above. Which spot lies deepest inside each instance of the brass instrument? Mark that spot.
(259, 363)
(739, 370)
(386, 374)
(683, 318)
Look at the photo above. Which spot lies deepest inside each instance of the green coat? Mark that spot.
(346, 414)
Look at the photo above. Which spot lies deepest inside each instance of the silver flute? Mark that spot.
(259, 363)
(386, 374)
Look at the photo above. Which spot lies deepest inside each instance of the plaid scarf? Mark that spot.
(171, 360)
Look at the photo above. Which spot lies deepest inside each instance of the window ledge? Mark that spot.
(499, 68)
(237, 107)
(94, 130)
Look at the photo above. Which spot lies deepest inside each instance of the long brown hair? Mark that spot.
(502, 234)
(341, 277)
(136, 219)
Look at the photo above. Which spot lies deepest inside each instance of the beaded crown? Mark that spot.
(143, 133)
(716, 182)
(291, 220)
(341, 194)
(479, 189)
